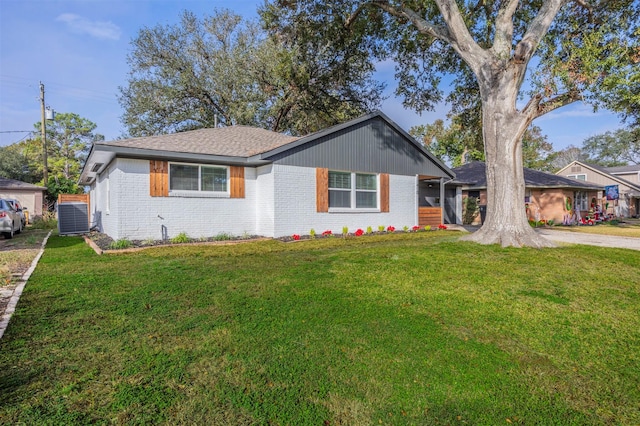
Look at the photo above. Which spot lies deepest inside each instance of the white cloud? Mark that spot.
(97, 29)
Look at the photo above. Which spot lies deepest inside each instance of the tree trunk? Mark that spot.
(503, 127)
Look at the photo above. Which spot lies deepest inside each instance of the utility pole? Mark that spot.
(45, 162)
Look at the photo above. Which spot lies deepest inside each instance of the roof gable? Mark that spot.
(371, 143)
(600, 170)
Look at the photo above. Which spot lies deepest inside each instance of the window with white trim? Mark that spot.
(348, 190)
(578, 177)
(198, 178)
(582, 201)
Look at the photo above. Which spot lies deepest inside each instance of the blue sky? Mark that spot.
(78, 50)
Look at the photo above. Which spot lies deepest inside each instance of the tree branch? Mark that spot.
(421, 24)
(537, 30)
(536, 108)
(504, 28)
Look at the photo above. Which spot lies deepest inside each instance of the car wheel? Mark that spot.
(8, 235)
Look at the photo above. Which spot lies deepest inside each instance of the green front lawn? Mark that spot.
(401, 329)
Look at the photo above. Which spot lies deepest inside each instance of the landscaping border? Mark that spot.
(15, 297)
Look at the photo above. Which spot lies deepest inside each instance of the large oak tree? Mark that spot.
(224, 70)
(553, 52)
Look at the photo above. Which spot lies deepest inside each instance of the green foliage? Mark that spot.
(223, 236)
(46, 221)
(223, 69)
(16, 163)
(180, 238)
(427, 227)
(369, 230)
(60, 185)
(470, 210)
(345, 230)
(312, 233)
(380, 228)
(120, 244)
(619, 148)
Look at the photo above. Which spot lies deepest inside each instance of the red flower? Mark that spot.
(296, 237)
(359, 232)
(415, 227)
(390, 228)
(442, 226)
(327, 233)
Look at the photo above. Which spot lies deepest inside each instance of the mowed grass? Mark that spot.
(406, 329)
(628, 228)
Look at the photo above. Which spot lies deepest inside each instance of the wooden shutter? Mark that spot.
(159, 178)
(236, 176)
(322, 190)
(384, 192)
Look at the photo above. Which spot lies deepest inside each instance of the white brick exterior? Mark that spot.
(295, 205)
(279, 200)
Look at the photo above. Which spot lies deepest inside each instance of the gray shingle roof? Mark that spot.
(233, 141)
(474, 175)
(623, 169)
(6, 183)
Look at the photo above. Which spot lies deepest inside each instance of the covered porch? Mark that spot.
(437, 202)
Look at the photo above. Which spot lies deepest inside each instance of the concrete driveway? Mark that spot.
(590, 239)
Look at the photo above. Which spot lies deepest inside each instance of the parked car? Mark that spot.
(18, 207)
(10, 220)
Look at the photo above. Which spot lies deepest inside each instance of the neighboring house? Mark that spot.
(546, 194)
(625, 178)
(29, 195)
(244, 180)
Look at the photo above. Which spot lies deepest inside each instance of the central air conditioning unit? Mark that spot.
(73, 218)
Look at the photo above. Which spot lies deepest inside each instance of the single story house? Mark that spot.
(547, 196)
(244, 180)
(624, 180)
(29, 195)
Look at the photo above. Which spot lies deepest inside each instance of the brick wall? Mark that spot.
(295, 205)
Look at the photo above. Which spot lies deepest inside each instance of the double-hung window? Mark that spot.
(353, 190)
(582, 201)
(198, 178)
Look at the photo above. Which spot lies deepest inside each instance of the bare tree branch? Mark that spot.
(504, 27)
(537, 30)
(536, 108)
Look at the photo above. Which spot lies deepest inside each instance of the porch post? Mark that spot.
(442, 200)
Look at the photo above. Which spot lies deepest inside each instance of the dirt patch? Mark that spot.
(16, 255)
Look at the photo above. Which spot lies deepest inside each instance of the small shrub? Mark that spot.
(327, 233)
(120, 244)
(180, 238)
(470, 210)
(369, 230)
(381, 228)
(312, 233)
(359, 232)
(415, 228)
(149, 242)
(427, 227)
(391, 228)
(223, 236)
(405, 228)
(46, 221)
(345, 230)
(296, 237)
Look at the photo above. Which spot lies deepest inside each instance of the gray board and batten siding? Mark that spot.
(371, 145)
